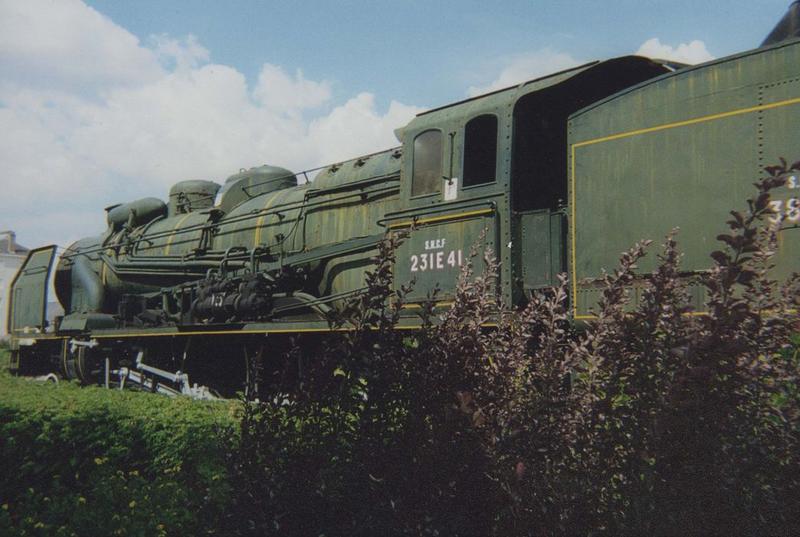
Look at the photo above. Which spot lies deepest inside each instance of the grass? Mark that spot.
(86, 460)
(5, 358)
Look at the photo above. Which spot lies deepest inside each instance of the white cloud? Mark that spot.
(89, 117)
(526, 67)
(69, 45)
(366, 129)
(278, 91)
(531, 65)
(691, 53)
(177, 53)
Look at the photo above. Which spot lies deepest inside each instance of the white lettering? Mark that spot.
(436, 260)
(777, 211)
(793, 210)
(790, 213)
(434, 244)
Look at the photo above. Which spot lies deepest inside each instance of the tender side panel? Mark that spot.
(27, 304)
(680, 152)
(778, 137)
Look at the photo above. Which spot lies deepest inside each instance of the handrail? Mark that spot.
(424, 211)
(297, 205)
(325, 166)
(241, 259)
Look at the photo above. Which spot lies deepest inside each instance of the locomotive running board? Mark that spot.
(27, 297)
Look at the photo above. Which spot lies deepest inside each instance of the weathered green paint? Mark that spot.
(27, 300)
(192, 195)
(682, 150)
(626, 188)
(248, 184)
(135, 213)
(434, 252)
(540, 236)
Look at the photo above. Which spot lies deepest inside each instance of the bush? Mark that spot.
(87, 461)
(647, 421)
(361, 446)
(674, 423)
(5, 357)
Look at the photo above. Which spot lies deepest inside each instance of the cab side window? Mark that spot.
(480, 150)
(426, 177)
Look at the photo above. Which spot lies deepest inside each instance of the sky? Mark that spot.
(107, 101)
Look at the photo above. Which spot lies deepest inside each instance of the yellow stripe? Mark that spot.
(687, 314)
(218, 332)
(40, 337)
(235, 332)
(572, 234)
(64, 356)
(263, 331)
(441, 218)
(103, 273)
(231, 332)
(172, 235)
(412, 306)
(221, 332)
(686, 122)
(628, 134)
(260, 221)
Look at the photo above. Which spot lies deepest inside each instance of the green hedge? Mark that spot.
(89, 461)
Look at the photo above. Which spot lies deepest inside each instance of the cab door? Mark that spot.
(27, 298)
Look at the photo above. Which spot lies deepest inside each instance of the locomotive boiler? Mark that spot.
(560, 174)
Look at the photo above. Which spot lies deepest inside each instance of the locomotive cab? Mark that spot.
(497, 165)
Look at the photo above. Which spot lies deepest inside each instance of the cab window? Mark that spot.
(480, 150)
(427, 171)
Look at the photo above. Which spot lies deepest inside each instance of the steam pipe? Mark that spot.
(83, 277)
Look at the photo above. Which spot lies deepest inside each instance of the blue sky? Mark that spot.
(106, 101)
(429, 52)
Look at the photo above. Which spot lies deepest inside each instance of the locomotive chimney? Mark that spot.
(787, 28)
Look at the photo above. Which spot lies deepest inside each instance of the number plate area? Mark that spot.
(786, 208)
(432, 255)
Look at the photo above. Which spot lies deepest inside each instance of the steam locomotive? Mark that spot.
(561, 173)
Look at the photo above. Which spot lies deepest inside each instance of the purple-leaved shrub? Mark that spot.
(489, 420)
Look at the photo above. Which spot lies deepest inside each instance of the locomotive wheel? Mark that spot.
(83, 364)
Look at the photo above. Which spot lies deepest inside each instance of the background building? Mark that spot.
(11, 257)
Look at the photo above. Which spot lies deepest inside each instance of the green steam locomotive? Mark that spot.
(561, 174)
